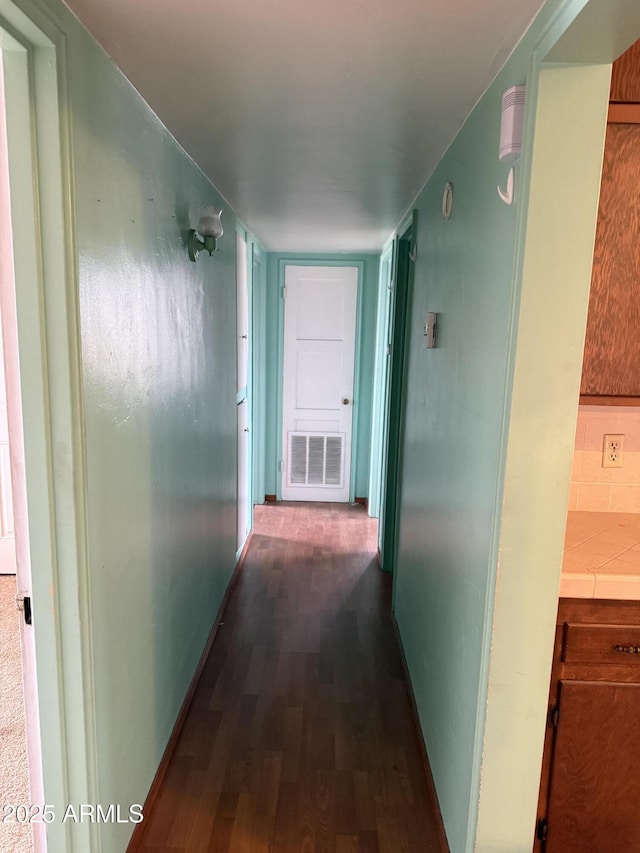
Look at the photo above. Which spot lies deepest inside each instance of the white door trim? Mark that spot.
(46, 321)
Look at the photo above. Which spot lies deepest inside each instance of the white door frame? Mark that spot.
(244, 502)
(45, 306)
(319, 261)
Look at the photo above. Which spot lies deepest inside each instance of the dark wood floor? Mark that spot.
(300, 738)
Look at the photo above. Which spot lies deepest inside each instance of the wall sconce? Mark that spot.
(205, 236)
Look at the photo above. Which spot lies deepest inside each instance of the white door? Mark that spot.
(242, 382)
(243, 474)
(242, 309)
(7, 535)
(319, 348)
(13, 512)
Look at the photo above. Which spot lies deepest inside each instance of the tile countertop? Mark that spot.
(601, 556)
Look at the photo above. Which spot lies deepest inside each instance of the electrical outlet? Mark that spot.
(612, 451)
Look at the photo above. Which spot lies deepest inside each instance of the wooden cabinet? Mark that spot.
(611, 366)
(625, 77)
(590, 785)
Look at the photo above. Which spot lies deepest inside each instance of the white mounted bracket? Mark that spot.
(507, 195)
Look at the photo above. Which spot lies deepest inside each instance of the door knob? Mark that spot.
(345, 401)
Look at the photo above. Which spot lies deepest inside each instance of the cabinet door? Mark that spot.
(594, 799)
(611, 363)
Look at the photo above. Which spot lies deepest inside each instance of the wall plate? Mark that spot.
(430, 323)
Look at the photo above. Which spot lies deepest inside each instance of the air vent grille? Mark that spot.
(315, 459)
(298, 459)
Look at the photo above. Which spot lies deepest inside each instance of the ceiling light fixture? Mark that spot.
(205, 237)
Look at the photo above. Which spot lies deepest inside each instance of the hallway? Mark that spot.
(300, 736)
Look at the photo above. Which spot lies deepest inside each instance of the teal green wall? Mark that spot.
(159, 408)
(158, 353)
(272, 359)
(456, 419)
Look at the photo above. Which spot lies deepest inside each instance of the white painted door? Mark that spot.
(243, 474)
(7, 535)
(12, 467)
(242, 306)
(319, 349)
(242, 383)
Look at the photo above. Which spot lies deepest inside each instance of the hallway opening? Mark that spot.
(300, 735)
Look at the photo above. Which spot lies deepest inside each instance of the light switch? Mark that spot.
(430, 323)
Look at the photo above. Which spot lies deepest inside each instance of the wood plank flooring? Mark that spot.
(300, 737)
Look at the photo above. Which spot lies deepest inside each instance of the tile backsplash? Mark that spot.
(598, 489)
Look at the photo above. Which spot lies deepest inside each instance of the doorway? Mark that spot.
(398, 314)
(20, 769)
(14, 762)
(320, 328)
(243, 385)
(39, 308)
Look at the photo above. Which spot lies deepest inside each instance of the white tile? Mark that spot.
(617, 586)
(598, 424)
(594, 497)
(625, 498)
(577, 585)
(591, 470)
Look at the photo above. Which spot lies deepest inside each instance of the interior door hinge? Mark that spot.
(23, 603)
(542, 829)
(284, 291)
(553, 716)
(281, 466)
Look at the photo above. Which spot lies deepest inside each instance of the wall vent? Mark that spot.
(315, 459)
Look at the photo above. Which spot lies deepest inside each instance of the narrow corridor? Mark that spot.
(300, 736)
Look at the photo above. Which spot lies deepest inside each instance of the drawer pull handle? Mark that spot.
(627, 650)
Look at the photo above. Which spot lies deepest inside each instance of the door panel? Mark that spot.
(243, 512)
(595, 788)
(243, 474)
(611, 363)
(319, 350)
(7, 535)
(399, 329)
(242, 303)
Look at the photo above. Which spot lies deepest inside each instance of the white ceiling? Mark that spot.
(318, 121)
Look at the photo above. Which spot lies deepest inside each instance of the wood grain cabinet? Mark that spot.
(590, 785)
(611, 367)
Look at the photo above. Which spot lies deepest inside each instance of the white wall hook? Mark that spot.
(507, 195)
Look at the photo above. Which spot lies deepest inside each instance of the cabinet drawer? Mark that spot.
(601, 644)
